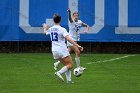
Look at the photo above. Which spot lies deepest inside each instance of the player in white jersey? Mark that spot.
(60, 51)
(74, 27)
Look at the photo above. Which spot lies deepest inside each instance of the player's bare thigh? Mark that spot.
(75, 49)
(67, 61)
(70, 49)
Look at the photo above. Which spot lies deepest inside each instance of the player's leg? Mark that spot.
(69, 48)
(67, 61)
(56, 64)
(77, 52)
(56, 55)
(68, 76)
(77, 56)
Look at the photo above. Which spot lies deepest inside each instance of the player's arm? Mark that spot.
(45, 28)
(69, 15)
(71, 41)
(87, 27)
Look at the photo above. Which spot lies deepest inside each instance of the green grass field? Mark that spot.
(33, 73)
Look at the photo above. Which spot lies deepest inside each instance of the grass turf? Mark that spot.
(33, 73)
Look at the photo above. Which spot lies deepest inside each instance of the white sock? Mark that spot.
(77, 61)
(57, 63)
(68, 75)
(63, 70)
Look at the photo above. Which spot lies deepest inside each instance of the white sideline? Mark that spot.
(109, 60)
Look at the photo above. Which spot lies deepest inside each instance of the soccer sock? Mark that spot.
(63, 69)
(57, 63)
(68, 75)
(77, 61)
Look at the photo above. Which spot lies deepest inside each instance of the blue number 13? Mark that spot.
(54, 36)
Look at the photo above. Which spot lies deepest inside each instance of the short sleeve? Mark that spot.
(80, 22)
(65, 33)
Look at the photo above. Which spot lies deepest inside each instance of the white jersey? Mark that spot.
(57, 34)
(74, 29)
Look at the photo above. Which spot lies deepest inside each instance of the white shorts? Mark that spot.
(60, 54)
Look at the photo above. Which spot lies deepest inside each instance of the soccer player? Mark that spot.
(60, 51)
(74, 27)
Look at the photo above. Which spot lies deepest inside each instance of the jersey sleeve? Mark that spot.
(80, 22)
(65, 33)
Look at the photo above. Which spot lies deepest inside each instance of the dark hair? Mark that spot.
(76, 13)
(56, 18)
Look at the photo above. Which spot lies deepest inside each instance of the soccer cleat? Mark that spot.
(59, 76)
(55, 66)
(70, 82)
(82, 68)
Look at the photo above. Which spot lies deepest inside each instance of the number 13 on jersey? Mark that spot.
(54, 36)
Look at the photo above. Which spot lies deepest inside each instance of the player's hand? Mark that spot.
(69, 10)
(87, 29)
(81, 48)
(45, 26)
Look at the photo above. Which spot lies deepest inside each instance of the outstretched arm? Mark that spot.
(69, 15)
(87, 27)
(45, 27)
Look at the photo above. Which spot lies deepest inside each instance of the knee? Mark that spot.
(77, 53)
(70, 66)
